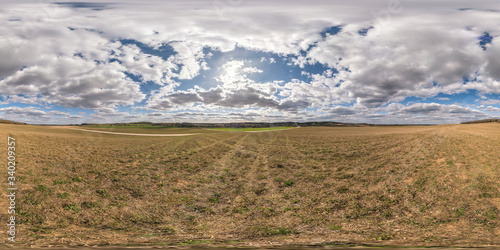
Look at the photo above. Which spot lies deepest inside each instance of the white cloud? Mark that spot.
(492, 109)
(406, 56)
(147, 67)
(490, 102)
(37, 116)
(23, 112)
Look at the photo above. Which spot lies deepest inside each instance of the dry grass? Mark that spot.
(367, 185)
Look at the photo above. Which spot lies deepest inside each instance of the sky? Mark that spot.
(360, 61)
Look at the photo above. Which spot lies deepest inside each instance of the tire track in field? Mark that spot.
(396, 144)
(217, 142)
(260, 152)
(179, 144)
(209, 137)
(289, 145)
(261, 158)
(159, 145)
(233, 148)
(186, 140)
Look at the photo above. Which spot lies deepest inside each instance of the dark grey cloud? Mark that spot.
(131, 117)
(58, 113)
(190, 114)
(211, 96)
(343, 111)
(244, 97)
(250, 114)
(184, 98)
(162, 105)
(474, 9)
(435, 109)
(423, 108)
(293, 105)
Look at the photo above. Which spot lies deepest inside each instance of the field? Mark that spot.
(148, 130)
(249, 129)
(392, 186)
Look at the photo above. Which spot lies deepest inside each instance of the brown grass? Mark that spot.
(415, 186)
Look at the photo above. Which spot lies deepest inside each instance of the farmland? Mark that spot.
(250, 129)
(402, 186)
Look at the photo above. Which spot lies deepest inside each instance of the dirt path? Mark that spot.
(116, 133)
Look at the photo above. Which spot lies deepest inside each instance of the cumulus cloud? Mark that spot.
(37, 116)
(55, 75)
(436, 111)
(411, 56)
(24, 112)
(211, 96)
(342, 111)
(490, 102)
(145, 66)
(491, 109)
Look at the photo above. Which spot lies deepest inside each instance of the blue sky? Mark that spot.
(190, 61)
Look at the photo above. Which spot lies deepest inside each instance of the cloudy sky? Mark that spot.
(375, 61)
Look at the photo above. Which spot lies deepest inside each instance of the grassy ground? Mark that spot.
(249, 129)
(417, 186)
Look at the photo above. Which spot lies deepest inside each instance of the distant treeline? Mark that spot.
(245, 124)
(482, 121)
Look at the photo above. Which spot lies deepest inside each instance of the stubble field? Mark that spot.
(403, 186)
